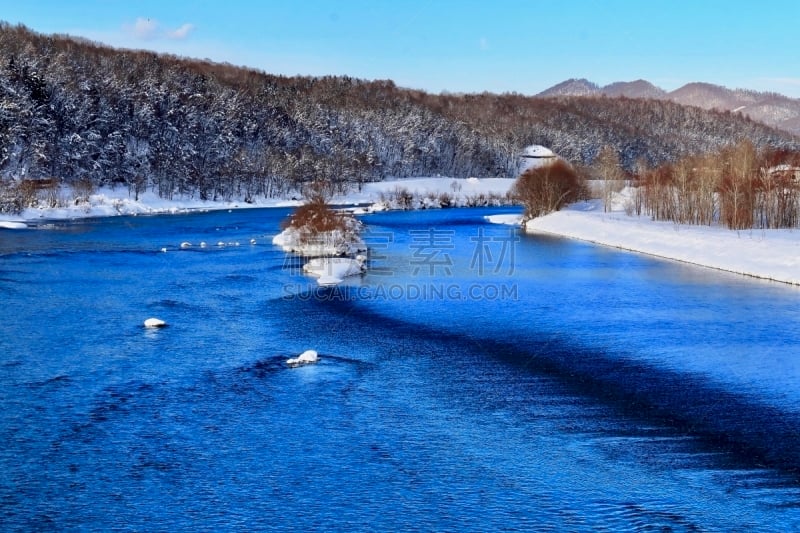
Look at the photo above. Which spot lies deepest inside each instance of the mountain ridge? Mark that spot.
(771, 108)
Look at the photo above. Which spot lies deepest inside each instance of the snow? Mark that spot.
(328, 244)
(767, 254)
(111, 202)
(510, 220)
(426, 191)
(11, 224)
(333, 270)
(536, 150)
(535, 156)
(305, 358)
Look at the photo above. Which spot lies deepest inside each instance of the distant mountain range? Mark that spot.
(770, 108)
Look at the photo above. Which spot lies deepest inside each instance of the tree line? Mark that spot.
(739, 186)
(79, 113)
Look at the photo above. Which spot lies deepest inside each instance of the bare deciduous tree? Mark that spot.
(607, 166)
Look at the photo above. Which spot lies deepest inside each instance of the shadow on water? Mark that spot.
(754, 435)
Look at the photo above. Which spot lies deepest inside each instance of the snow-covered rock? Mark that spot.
(12, 224)
(334, 243)
(328, 281)
(306, 358)
(332, 270)
(154, 323)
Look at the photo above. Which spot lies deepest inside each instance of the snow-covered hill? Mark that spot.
(769, 108)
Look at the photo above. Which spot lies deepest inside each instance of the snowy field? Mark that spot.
(768, 254)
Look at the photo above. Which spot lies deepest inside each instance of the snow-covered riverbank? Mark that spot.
(768, 254)
(115, 202)
(426, 192)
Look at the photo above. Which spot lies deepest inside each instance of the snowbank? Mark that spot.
(510, 220)
(427, 193)
(768, 254)
(113, 202)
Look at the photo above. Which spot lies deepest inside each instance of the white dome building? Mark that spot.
(535, 156)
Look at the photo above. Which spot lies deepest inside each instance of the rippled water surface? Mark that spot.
(474, 380)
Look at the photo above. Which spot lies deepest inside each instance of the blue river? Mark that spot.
(475, 379)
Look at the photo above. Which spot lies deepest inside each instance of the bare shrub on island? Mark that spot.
(315, 229)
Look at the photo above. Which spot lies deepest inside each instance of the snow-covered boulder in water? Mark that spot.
(332, 270)
(333, 243)
(11, 224)
(306, 358)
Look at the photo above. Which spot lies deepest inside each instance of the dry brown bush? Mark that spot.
(546, 189)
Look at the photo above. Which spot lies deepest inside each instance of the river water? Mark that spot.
(475, 379)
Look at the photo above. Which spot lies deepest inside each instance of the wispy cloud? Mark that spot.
(147, 29)
(182, 32)
(143, 28)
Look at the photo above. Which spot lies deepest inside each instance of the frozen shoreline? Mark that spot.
(767, 254)
(117, 202)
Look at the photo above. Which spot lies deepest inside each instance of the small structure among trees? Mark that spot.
(535, 156)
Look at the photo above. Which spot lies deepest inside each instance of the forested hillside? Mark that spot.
(76, 112)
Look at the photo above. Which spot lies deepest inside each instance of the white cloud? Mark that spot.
(182, 32)
(143, 28)
(147, 29)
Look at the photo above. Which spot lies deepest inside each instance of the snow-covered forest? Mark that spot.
(78, 113)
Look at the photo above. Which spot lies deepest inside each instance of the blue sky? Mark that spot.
(465, 46)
